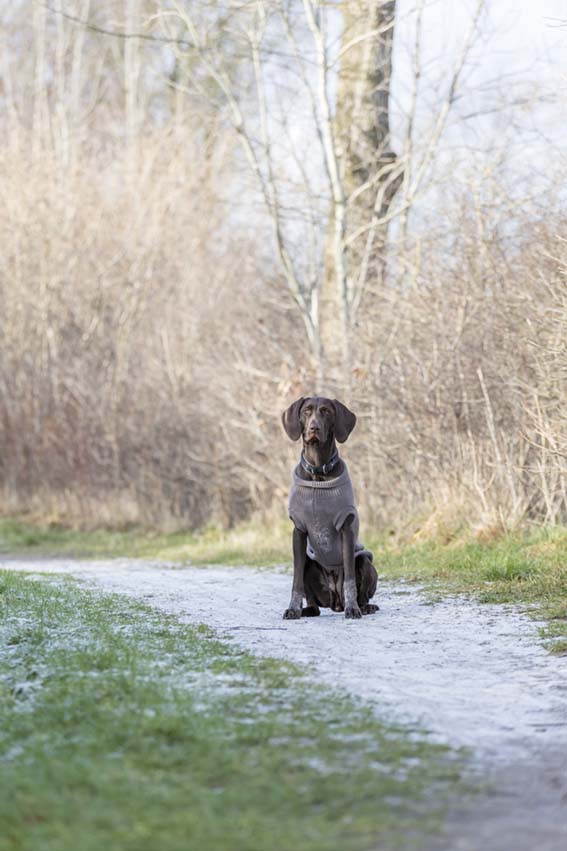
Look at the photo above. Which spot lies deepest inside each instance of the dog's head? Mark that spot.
(317, 419)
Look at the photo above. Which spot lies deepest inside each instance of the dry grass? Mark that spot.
(149, 341)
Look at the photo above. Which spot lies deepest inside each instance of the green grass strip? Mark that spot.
(251, 543)
(121, 728)
(527, 567)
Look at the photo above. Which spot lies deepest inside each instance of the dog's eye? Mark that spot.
(324, 410)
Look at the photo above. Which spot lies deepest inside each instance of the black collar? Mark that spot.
(324, 469)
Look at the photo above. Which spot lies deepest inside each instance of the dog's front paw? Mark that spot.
(370, 609)
(292, 614)
(353, 611)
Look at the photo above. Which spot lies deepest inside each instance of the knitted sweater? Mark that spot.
(320, 509)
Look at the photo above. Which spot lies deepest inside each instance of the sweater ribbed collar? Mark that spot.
(328, 483)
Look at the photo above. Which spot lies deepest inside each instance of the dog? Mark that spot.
(331, 569)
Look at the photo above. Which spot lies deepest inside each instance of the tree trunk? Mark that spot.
(368, 172)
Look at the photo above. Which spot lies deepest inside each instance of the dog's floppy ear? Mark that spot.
(291, 421)
(345, 421)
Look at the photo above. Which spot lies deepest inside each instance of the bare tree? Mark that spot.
(171, 186)
(365, 174)
(340, 196)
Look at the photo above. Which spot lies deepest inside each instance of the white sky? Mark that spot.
(521, 48)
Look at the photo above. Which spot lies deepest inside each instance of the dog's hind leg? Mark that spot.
(316, 590)
(366, 581)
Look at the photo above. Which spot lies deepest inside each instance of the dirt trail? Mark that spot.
(472, 675)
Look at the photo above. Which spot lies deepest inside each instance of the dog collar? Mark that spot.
(324, 469)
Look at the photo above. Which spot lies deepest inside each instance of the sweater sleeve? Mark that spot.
(294, 511)
(297, 522)
(341, 516)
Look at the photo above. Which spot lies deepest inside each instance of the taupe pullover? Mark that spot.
(320, 509)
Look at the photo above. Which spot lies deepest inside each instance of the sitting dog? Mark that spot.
(331, 569)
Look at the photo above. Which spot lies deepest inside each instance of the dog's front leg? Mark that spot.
(297, 590)
(352, 609)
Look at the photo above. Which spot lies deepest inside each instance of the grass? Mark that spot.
(526, 567)
(121, 728)
(252, 543)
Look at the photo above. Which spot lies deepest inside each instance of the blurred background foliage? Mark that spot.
(210, 208)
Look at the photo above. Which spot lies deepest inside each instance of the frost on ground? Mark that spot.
(473, 675)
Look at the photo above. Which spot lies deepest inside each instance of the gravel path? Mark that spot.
(472, 675)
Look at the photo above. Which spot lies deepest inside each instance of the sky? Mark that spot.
(521, 50)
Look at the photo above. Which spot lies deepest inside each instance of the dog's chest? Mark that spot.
(319, 509)
(323, 536)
